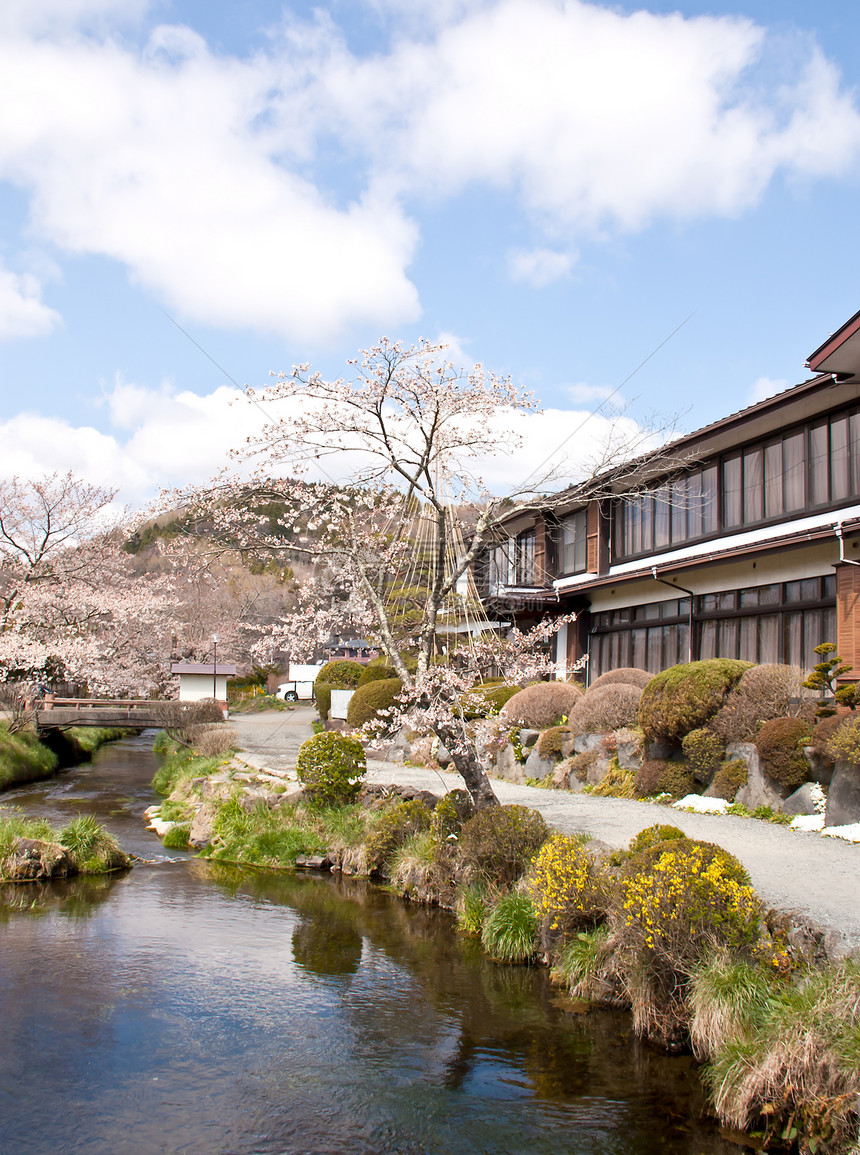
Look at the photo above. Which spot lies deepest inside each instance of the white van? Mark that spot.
(300, 687)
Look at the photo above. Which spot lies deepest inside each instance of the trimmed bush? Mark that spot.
(510, 930)
(626, 675)
(341, 674)
(651, 835)
(778, 748)
(541, 705)
(394, 826)
(657, 776)
(844, 744)
(728, 780)
(371, 698)
(549, 743)
(570, 889)
(376, 671)
(686, 696)
(331, 767)
(608, 707)
(499, 843)
(763, 692)
(486, 700)
(703, 749)
(824, 730)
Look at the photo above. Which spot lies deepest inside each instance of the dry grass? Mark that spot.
(605, 708)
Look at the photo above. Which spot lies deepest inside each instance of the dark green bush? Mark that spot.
(322, 697)
(331, 767)
(370, 699)
(704, 750)
(499, 843)
(684, 697)
(341, 674)
(376, 671)
(451, 811)
(394, 826)
(657, 776)
(779, 747)
(728, 780)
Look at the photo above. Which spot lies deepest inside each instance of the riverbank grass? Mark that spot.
(23, 758)
(87, 846)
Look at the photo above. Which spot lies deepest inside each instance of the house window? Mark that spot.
(525, 558)
(574, 543)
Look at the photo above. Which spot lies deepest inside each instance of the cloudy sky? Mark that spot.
(196, 192)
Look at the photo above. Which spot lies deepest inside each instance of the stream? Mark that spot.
(186, 1007)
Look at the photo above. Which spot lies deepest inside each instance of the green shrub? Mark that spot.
(176, 837)
(369, 700)
(781, 757)
(651, 835)
(549, 743)
(604, 708)
(728, 780)
(510, 930)
(340, 674)
(684, 697)
(393, 827)
(703, 749)
(844, 744)
(376, 671)
(657, 776)
(500, 842)
(331, 767)
(322, 698)
(626, 675)
(569, 888)
(449, 814)
(485, 701)
(541, 705)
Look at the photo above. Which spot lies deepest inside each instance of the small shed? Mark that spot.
(197, 680)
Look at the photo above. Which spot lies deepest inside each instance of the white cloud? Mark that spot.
(765, 387)
(22, 313)
(268, 190)
(583, 394)
(538, 267)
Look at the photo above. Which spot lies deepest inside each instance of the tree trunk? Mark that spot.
(469, 768)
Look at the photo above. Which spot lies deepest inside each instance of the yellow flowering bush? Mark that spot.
(685, 897)
(569, 888)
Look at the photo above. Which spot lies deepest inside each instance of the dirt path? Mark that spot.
(819, 877)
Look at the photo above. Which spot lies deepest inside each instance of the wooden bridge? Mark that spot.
(128, 713)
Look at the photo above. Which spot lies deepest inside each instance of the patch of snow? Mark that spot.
(700, 805)
(818, 798)
(807, 822)
(849, 833)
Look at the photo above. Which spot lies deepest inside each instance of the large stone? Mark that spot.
(802, 801)
(509, 767)
(629, 755)
(32, 860)
(598, 770)
(820, 766)
(538, 767)
(760, 789)
(843, 797)
(528, 737)
(585, 742)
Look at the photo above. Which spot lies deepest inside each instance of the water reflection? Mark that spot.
(194, 1008)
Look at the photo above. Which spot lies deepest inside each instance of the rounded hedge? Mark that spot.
(340, 674)
(369, 699)
(331, 766)
(500, 842)
(627, 675)
(376, 671)
(605, 708)
(684, 697)
(779, 748)
(541, 705)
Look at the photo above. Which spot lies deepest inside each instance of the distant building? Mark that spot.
(196, 680)
(750, 549)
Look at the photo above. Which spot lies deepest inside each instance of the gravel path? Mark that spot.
(818, 877)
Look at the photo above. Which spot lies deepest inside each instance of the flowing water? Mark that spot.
(183, 1007)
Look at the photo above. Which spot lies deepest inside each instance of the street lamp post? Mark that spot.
(215, 667)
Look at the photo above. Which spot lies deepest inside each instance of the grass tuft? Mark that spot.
(510, 930)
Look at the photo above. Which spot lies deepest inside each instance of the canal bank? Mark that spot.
(187, 1007)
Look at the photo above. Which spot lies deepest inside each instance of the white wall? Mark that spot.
(196, 687)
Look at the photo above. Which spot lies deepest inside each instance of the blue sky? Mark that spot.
(554, 187)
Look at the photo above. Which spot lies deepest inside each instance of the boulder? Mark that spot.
(760, 789)
(313, 862)
(509, 767)
(820, 766)
(629, 755)
(528, 737)
(538, 767)
(32, 860)
(584, 742)
(803, 800)
(598, 770)
(843, 798)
